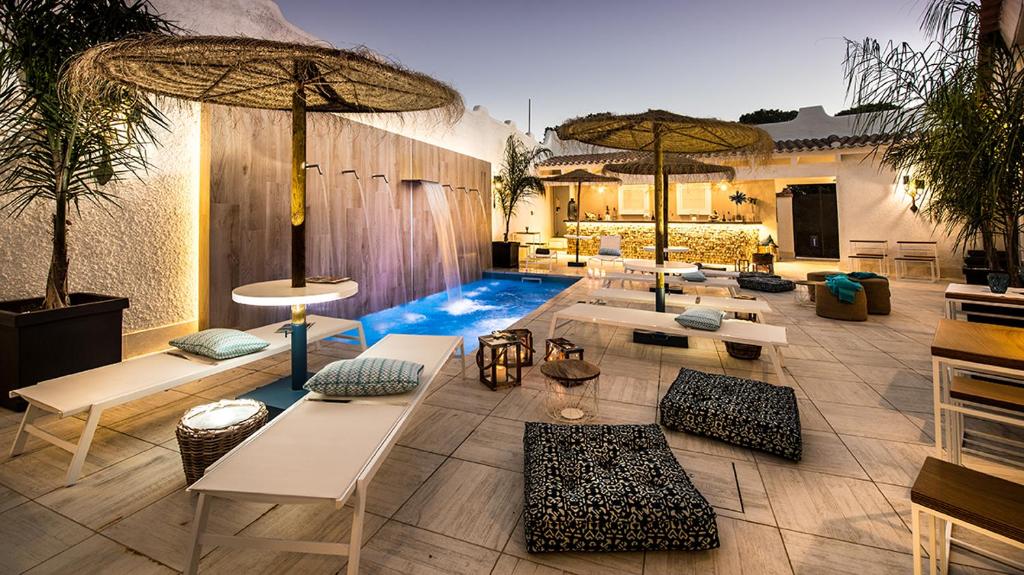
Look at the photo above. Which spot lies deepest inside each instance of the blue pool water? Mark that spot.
(494, 302)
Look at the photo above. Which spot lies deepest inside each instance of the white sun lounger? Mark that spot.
(727, 304)
(318, 452)
(769, 337)
(98, 389)
(674, 280)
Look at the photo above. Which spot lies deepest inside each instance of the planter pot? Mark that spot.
(998, 282)
(36, 345)
(505, 255)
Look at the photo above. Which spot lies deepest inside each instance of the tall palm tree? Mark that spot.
(516, 180)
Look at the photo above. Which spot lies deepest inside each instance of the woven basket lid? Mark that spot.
(221, 414)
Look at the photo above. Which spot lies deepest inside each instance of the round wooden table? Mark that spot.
(572, 389)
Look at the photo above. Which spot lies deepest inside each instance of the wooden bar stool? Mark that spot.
(946, 494)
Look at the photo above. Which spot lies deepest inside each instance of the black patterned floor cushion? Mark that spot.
(766, 283)
(610, 488)
(740, 411)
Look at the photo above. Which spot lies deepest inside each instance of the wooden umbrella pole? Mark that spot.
(659, 214)
(579, 186)
(298, 193)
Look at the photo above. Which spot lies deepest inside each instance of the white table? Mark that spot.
(650, 267)
(959, 294)
(670, 249)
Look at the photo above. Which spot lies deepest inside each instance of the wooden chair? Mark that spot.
(983, 399)
(917, 252)
(870, 251)
(946, 494)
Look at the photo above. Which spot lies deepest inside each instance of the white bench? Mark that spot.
(98, 389)
(769, 337)
(672, 280)
(727, 304)
(320, 450)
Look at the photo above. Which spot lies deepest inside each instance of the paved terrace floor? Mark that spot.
(449, 498)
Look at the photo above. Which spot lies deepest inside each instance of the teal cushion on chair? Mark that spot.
(609, 252)
(220, 343)
(694, 276)
(701, 317)
(366, 377)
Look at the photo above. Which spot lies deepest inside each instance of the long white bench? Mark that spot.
(672, 280)
(769, 337)
(98, 389)
(727, 304)
(320, 450)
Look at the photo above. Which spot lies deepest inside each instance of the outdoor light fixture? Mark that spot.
(561, 348)
(498, 360)
(913, 191)
(525, 337)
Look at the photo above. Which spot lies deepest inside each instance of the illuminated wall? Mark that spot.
(708, 243)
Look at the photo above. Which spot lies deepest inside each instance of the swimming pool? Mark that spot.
(494, 302)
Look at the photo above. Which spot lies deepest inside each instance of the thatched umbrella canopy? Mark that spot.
(579, 177)
(252, 73)
(660, 132)
(674, 165)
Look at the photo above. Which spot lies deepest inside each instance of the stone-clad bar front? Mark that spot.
(708, 242)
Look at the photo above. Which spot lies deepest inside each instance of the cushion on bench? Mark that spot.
(741, 411)
(610, 488)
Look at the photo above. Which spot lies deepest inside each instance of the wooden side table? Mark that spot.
(573, 387)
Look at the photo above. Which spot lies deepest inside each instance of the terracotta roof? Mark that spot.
(832, 142)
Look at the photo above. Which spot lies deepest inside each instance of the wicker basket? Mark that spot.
(202, 443)
(743, 350)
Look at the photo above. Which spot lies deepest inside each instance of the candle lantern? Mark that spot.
(498, 360)
(561, 348)
(525, 338)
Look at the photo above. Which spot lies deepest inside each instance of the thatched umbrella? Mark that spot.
(579, 177)
(254, 73)
(658, 132)
(674, 165)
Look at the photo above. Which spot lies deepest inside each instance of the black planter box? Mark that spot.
(44, 344)
(505, 255)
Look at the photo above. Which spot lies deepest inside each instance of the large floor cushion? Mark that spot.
(767, 283)
(744, 412)
(876, 292)
(610, 488)
(828, 306)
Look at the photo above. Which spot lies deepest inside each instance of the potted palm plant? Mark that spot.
(64, 153)
(513, 184)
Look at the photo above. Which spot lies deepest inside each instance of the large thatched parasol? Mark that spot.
(684, 168)
(253, 73)
(660, 132)
(579, 177)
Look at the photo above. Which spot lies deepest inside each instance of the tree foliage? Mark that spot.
(867, 108)
(55, 147)
(768, 116)
(957, 123)
(516, 180)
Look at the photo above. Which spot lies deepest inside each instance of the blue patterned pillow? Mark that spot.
(701, 317)
(220, 343)
(609, 252)
(365, 377)
(694, 276)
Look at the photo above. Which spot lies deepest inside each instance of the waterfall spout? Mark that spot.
(441, 214)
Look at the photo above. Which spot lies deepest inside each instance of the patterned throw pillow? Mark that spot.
(609, 252)
(220, 343)
(701, 317)
(694, 276)
(366, 377)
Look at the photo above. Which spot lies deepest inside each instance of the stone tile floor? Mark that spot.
(448, 499)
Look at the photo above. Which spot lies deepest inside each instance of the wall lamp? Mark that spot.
(913, 191)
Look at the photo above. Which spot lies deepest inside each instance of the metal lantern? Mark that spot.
(498, 361)
(525, 338)
(561, 348)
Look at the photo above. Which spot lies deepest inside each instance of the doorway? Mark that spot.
(815, 221)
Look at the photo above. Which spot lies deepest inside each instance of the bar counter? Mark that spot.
(709, 242)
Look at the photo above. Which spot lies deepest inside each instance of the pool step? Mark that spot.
(530, 279)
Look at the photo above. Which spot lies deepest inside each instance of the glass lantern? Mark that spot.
(498, 361)
(525, 338)
(561, 348)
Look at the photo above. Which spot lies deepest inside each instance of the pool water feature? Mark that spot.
(492, 303)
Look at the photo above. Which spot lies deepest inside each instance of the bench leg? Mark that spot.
(358, 513)
(933, 547)
(362, 337)
(462, 355)
(31, 414)
(554, 322)
(915, 522)
(773, 352)
(82, 449)
(937, 393)
(195, 544)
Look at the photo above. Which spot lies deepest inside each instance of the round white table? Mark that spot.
(668, 268)
(669, 250)
(281, 293)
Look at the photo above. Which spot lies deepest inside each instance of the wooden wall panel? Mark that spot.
(392, 254)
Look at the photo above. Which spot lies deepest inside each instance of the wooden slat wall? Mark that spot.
(248, 212)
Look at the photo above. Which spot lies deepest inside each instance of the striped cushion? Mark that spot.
(220, 343)
(365, 377)
(701, 317)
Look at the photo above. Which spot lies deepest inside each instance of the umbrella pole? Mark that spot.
(660, 199)
(664, 207)
(576, 264)
(298, 201)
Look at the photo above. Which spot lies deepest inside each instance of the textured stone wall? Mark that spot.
(708, 243)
